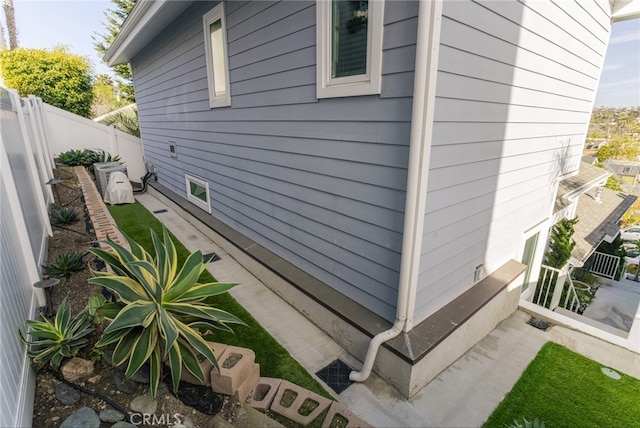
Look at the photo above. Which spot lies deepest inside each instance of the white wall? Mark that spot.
(67, 131)
(515, 89)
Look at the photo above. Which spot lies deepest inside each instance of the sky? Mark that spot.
(45, 24)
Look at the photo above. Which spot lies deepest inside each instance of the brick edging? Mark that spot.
(103, 223)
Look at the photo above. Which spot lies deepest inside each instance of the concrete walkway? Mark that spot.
(615, 304)
(462, 396)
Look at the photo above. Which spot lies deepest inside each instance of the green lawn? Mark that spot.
(274, 360)
(565, 389)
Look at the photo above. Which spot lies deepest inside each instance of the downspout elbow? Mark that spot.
(372, 352)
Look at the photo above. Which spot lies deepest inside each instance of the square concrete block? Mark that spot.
(303, 398)
(343, 417)
(218, 349)
(236, 365)
(264, 392)
(245, 390)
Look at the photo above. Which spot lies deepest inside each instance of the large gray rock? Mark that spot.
(82, 418)
(66, 394)
(143, 404)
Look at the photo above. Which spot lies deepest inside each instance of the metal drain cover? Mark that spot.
(538, 323)
(210, 257)
(336, 375)
(611, 373)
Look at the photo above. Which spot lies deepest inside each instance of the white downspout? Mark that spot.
(424, 87)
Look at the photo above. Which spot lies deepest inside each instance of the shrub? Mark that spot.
(65, 264)
(162, 309)
(86, 157)
(59, 77)
(53, 341)
(72, 157)
(561, 243)
(64, 215)
(94, 156)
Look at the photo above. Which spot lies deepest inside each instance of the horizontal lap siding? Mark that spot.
(319, 182)
(516, 83)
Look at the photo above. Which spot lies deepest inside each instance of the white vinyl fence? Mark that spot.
(24, 228)
(67, 131)
(31, 134)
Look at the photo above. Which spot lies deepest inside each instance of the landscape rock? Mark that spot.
(125, 385)
(83, 417)
(66, 394)
(143, 404)
(142, 375)
(187, 422)
(111, 416)
(77, 368)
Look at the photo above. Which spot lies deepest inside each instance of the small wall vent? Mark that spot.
(172, 149)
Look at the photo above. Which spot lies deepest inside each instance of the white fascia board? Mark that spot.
(624, 10)
(147, 19)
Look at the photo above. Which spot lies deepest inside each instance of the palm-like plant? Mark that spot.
(53, 341)
(162, 308)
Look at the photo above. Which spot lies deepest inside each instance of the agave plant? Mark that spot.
(72, 157)
(53, 341)
(93, 156)
(162, 312)
(526, 424)
(65, 264)
(64, 215)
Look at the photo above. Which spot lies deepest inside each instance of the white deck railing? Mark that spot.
(556, 288)
(605, 265)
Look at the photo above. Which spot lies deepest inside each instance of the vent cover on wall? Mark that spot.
(172, 149)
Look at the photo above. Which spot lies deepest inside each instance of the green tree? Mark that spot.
(561, 243)
(104, 96)
(614, 184)
(59, 77)
(624, 121)
(621, 147)
(102, 42)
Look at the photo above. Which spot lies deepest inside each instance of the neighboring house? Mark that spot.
(391, 162)
(598, 209)
(628, 172)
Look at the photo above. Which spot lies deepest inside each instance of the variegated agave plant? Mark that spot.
(162, 308)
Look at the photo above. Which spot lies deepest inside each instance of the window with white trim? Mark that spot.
(215, 42)
(198, 192)
(349, 47)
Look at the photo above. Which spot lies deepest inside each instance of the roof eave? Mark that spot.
(624, 10)
(147, 19)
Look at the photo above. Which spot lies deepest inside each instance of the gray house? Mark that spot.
(390, 163)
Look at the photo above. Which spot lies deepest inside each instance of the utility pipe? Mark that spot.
(428, 40)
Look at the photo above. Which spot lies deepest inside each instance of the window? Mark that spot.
(215, 42)
(198, 192)
(528, 257)
(349, 47)
(626, 170)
